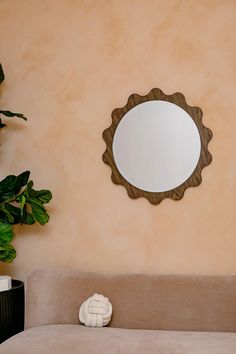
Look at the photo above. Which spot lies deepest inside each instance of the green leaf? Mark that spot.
(44, 195)
(7, 187)
(11, 185)
(10, 218)
(11, 114)
(39, 212)
(15, 212)
(2, 76)
(30, 184)
(27, 218)
(21, 181)
(3, 218)
(7, 253)
(6, 233)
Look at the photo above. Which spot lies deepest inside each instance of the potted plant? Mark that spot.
(20, 204)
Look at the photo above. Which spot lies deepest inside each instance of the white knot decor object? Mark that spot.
(96, 311)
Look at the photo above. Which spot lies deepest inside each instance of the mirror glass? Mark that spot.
(156, 146)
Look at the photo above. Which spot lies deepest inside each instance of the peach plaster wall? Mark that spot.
(68, 64)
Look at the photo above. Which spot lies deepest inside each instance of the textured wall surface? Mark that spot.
(68, 63)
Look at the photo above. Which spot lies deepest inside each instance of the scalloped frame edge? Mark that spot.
(205, 156)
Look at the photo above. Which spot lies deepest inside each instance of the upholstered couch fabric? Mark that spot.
(76, 339)
(151, 314)
(168, 302)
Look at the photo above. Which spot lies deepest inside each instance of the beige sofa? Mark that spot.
(169, 314)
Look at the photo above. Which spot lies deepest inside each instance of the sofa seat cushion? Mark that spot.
(76, 339)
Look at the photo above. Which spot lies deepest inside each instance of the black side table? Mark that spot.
(12, 310)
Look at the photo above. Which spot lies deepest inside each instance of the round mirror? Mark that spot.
(156, 146)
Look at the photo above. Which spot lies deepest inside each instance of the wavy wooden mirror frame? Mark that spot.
(204, 159)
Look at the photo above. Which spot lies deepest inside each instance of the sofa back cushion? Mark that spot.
(163, 302)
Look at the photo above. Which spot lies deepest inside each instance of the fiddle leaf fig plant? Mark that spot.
(7, 251)
(20, 203)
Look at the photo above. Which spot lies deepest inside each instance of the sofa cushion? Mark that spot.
(75, 339)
